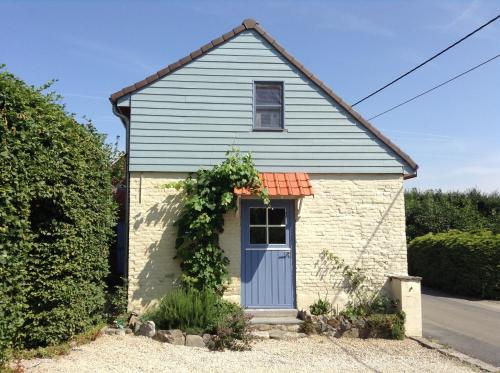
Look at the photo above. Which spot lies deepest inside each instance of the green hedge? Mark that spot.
(437, 211)
(56, 219)
(458, 262)
(389, 326)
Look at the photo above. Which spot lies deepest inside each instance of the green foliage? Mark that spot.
(458, 262)
(363, 301)
(191, 310)
(436, 211)
(208, 195)
(231, 329)
(116, 302)
(56, 219)
(367, 305)
(307, 326)
(320, 307)
(391, 326)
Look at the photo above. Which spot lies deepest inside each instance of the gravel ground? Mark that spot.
(140, 354)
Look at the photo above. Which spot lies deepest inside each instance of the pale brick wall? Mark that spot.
(358, 217)
(153, 210)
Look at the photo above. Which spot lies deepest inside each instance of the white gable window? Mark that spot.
(268, 106)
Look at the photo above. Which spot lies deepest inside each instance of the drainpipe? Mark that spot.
(126, 123)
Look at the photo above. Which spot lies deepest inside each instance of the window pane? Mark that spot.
(257, 216)
(258, 235)
(268, 94)
(267, 118)
(277, 235)
(276, 216)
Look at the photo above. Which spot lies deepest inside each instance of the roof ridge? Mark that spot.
(251, 24)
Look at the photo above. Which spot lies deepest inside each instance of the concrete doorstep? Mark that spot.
(456, 355)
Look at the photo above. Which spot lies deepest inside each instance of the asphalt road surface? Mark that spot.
(469, 326)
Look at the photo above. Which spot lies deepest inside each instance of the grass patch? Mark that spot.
(62, 348)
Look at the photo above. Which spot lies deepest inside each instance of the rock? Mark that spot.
(259, 335)
(302, 315)
(262, 327)
(360, 324)
(133, 320)
(207, 338)
(128, 331)
(301, 335)
(136, 327)
(351, 333)
(110, 331)
(194, 341)
(345, 324)
(333, 323)
(120, 331)
(293, 327)
(277, 334)
(172, 336)
(147, 329)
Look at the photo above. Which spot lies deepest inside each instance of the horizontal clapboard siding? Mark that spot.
(190, 118)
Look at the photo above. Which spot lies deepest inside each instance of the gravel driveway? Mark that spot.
(318, 354)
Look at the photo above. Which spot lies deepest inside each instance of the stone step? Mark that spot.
(275, 320)
(272, 312)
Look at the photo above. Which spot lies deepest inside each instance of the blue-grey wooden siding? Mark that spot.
(190, 118)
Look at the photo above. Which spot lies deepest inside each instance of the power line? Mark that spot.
(427, 61)
(436, 87)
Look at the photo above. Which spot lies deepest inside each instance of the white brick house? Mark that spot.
(339, 180)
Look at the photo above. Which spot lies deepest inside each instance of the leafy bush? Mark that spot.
(458, 262)
(307, 326)
(231, 330)
(320, 307)
(116, 301)
(208, 195)
(188, 309)
(56, 219)
(202, 311)
(391, 326)
(436, 211)
(368, 305)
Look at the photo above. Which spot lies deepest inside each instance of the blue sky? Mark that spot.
(95, 48)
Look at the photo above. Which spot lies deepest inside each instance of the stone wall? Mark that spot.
(359, 218)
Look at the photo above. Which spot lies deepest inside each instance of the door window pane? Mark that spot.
(277, 235)
(257, 216)
(276, 216)
(258, 235)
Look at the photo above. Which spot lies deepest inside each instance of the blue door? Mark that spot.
(267, 274)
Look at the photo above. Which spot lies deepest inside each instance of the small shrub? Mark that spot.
(232, 331)
(458, 262)
(321, 307)
(379, 304)
(307, 327)
(390, 326)
(203, 311)
(188, 309)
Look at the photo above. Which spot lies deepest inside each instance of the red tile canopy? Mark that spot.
(295, 184)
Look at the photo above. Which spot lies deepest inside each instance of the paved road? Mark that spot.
(468, 326)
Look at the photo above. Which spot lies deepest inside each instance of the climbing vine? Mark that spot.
(207, 196)
(363, 300)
